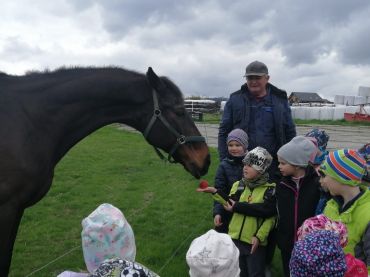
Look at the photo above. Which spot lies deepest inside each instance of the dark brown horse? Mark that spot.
(43, 115)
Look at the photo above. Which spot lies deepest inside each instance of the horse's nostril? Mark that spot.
(206, 165)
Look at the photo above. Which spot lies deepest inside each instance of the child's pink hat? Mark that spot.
(322, 222)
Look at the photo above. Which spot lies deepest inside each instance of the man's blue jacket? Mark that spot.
(237, 113)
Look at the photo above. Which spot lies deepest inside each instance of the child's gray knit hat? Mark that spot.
(299, 151)
(240, 136)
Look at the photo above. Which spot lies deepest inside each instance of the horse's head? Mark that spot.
(170, 127)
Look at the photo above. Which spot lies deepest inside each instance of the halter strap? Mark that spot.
(180, 139)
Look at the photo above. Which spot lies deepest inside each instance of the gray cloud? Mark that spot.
(203, 46)
(353, 45)
(15, 49)
(305, 30)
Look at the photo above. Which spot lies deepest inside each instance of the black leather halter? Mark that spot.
(180, 139)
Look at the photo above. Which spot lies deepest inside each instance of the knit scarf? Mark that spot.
(261, 180)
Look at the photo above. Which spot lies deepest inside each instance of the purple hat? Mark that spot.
(318, 254)
(240, 136)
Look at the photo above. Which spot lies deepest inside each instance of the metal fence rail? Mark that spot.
(340, 136)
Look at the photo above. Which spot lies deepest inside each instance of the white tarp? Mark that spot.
(364, 91)
(326, 113)
(339, 99)
(313, 112)
(360, 100)
(349, 100)
(339, 112)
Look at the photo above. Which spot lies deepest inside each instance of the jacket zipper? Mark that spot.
(241, 229)
(296, 210)
(296, 195)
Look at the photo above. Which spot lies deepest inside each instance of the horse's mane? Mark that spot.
(175, 90)
(72, 71)
(80, 72)
(77, 71)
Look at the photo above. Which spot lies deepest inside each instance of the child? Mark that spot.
(297, 194)
(322, 222)
(342, 174)
(365, 153)
(213, 254)
(249, 233)
(318, 254)
(121, 268)
(106, 222)
(106, 235)
(322, 139)
(228, 172)
(355, 267)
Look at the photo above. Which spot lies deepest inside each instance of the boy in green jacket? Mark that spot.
(342, 174)
(249, 233)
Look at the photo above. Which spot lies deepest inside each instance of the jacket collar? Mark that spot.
(233, 159)
(310, 172)
(274, 90)
(262, 180)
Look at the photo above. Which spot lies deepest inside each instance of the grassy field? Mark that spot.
(113, 166)
(117, 167)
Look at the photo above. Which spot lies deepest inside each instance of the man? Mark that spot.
(262, 111)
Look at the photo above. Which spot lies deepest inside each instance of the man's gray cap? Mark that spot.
(256, 68)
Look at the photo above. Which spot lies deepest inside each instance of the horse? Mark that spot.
(44, 114)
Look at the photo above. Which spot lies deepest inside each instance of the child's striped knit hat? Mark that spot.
(346, 166)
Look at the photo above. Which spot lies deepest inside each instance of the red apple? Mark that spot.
(203, 184)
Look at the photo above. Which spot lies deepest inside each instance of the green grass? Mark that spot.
(112, 166)
(215, 118)
(212, 118)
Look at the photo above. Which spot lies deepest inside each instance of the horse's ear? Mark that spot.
(154, 80)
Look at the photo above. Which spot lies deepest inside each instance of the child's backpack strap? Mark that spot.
(239, 191)
(269, 193)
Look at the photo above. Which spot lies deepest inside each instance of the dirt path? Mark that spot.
(340, 136)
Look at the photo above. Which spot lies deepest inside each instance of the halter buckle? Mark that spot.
(181, 139)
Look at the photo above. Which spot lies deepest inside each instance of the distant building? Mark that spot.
(306, 98)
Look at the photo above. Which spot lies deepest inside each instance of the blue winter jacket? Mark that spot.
(237, 113)
(228, 172)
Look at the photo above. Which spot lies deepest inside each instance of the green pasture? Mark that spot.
(118, 167)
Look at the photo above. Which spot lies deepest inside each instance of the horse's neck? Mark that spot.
(78, 113)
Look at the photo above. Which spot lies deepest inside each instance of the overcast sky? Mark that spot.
(203, 46)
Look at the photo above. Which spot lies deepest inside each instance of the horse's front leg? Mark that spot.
(10, 217)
